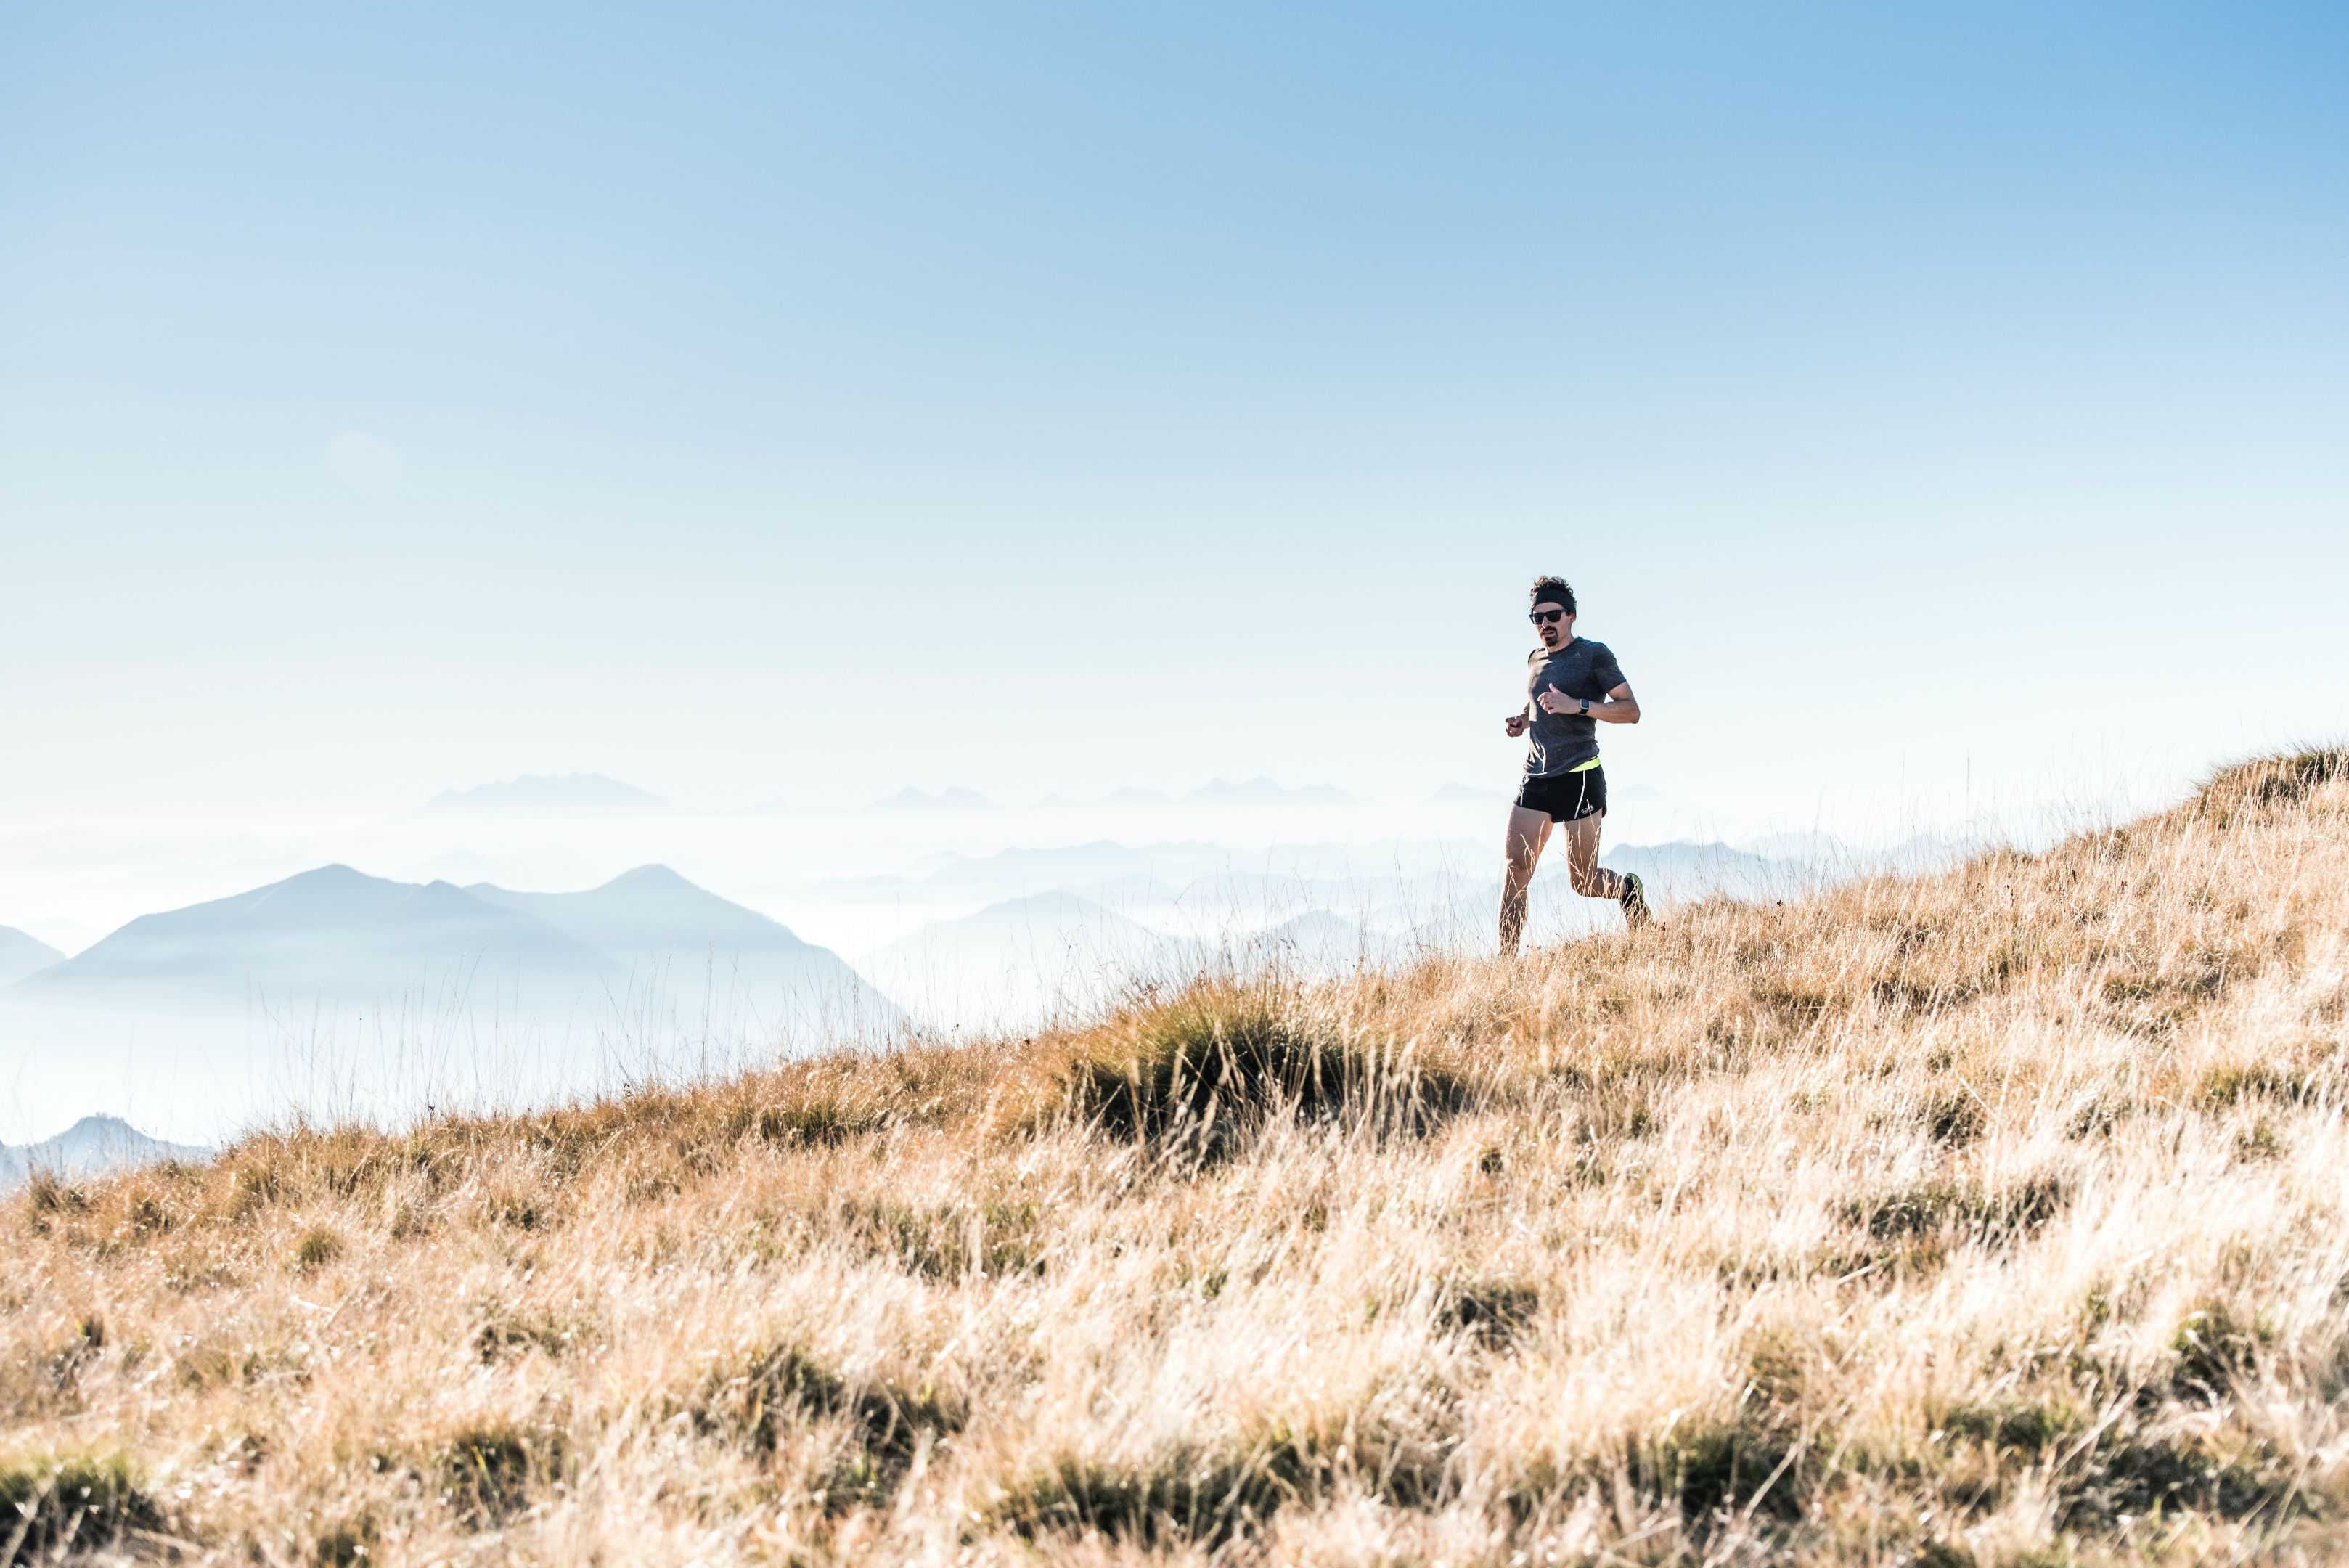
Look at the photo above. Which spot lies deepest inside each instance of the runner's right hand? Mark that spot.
(1516, 725)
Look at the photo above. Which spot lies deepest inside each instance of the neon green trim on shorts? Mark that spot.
(1584, 767)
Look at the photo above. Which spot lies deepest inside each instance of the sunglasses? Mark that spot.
(1543, 617)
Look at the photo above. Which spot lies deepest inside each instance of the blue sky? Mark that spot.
(751, 401)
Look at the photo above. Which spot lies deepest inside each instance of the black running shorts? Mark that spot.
(1566, 797)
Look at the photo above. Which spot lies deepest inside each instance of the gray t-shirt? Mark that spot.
(1560, 742)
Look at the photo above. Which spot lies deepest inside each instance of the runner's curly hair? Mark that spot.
(1554, 590)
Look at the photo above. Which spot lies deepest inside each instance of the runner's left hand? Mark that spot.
(1554, 701)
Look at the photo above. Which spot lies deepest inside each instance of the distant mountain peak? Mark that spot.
(94, 1145)
(549, 792)
(22, 953)
(319, 885)
(651, 878)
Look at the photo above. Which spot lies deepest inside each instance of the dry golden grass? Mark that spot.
(1997, 1217)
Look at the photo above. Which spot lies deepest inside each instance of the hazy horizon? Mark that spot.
(977, 921)
(70, 881)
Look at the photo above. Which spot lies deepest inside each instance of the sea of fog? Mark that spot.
(970, 922)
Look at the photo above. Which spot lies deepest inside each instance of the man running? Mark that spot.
(1573, 685)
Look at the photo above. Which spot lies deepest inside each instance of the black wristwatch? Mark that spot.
(1586, 707)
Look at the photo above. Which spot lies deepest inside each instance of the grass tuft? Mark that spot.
(1491, 1313)
(56, 1506)
(1710, 1470)
(2023, 1427)
(1209, 1497)
(486, 1472)
(1200, 1072)
(2176, 1473)
(2216, 1350)
(753, 1404)
(2000, 1216)
(2269, 782)
(319, 1246)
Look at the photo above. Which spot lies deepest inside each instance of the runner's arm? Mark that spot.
(1617, 706)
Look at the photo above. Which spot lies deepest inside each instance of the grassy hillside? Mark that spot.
(1995, 1217)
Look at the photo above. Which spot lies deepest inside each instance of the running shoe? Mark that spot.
(1634, 900)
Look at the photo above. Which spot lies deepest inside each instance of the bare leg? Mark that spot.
(1529, 831)
(1590, 879)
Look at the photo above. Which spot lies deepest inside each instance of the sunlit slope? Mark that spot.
(1992, 1217)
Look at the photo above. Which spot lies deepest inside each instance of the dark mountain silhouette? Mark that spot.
(549, 793)
(21, 954)
(94, 1145)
